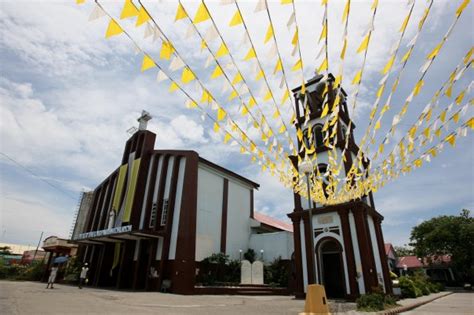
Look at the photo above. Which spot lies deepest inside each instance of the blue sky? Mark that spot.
(67, 97)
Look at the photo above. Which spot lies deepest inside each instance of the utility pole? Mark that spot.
(34, 256)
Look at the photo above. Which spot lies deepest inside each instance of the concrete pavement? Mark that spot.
(33, 298)
(456, 303)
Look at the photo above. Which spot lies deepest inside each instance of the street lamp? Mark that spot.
(261, 254)
(240, 254)
(306, 167)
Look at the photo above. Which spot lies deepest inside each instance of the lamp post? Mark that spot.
(240, 254)
(261, 254)
(307, 168)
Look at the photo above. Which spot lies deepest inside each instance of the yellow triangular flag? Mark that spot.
(222, 51)
(460, 97)
(276, 114)
(418, 87)
(217, 72)
(202, 14)
(252, 102)
(142, 16)
(451, 139)
(206, 97)
(269, 34)
(286, 1)
(456, 117)
(462, 7)
(216, 127)
(346, 10)
(227, 137)
(166, 50)
(377, 125)
(129, 10)
(147, 63)
(323, 66)
(294, 41)
(191, 104)
(187, 75)
(268, 96)
(80, 1)
(418, 162)
(380, 90)
(180, 12)
(221, 114)
(278, 67)
(233, 95)
(442, 116)
(298, 65)
(324, 31)
(237, 78)
(449, 91)
(438, 132)
(251, 54)
(113, 29)
(325, 110)
(426, 132)
(285, 96)
(434, 52)
(470, 123)
(405, 23)
(365, 43)
(259, 75)
(343, 50)
(389, 65)
(173, 87)
(282, 129)
(357, 77)
(245, 110)
(236, 19)
(407, 55)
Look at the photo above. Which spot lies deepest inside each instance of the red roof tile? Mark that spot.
(262, 218)
(409, 261)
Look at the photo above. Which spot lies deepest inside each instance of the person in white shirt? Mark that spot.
(83, 275)
(52, 276)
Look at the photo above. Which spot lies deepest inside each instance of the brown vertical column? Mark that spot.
(186, 242)
(309, 249)
(383, 255)
(349, 253)
(299, 290)
(225, 197)
(368, 266)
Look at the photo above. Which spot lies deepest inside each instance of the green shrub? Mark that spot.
(33, 272)
(276, 273)
(408, 288)
(370, 302)
(218, 269)
(250, 255)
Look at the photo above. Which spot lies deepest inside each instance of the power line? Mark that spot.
(37, 176)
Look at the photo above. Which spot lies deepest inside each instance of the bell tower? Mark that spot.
(339, 246)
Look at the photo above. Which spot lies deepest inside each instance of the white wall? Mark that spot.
(375, 248)
(277, 244)
(177, 207)
(209, 213)
(357, 254)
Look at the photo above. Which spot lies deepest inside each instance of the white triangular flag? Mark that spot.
(244, 89)
(208, 61)
(211, 34)
(245, 39)
(214, 105)
(396, 120)
(148, 30)
(96, 13)
(384, 79)
(410, 97)
(176, 64)
(190, 31)
(450, 107)
(295, 49)
(226, 2)
(282, 82)
(156, 34)
(226, 87)
(427, 107)
(272, 52)
(464, 132)
(425, 66)
(291, 20)
(413, 40)
(261, 5)
(161, 76)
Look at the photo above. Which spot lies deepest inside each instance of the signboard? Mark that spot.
(115, 230)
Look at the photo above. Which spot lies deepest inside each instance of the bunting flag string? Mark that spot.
(245, 123)
(386, 73)
(247, 145)
(419, 84)
(247, 109)
(223, 50)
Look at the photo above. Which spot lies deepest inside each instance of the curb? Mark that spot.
(405, 308)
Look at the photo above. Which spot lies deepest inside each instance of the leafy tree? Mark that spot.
(453, 235)
(5, 250)
(403, 251)
(250, 255)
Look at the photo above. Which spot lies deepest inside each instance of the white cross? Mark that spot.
(143, 120)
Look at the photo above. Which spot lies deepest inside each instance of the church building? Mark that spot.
(160, 212)
(339, 246)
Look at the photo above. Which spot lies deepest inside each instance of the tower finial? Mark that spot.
(143, 120)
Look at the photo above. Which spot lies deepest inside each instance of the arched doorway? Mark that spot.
(331, 269)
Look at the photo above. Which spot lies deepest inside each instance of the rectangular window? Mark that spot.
(164, 212)
(154, 210)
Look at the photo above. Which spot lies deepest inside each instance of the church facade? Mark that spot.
(340, 246)
(151, 221)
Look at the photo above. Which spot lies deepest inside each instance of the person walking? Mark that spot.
(52, 276)
(83, 275)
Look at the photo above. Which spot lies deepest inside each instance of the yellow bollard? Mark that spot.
(316, 301)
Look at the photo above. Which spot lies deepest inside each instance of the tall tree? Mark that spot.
(448, 235)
